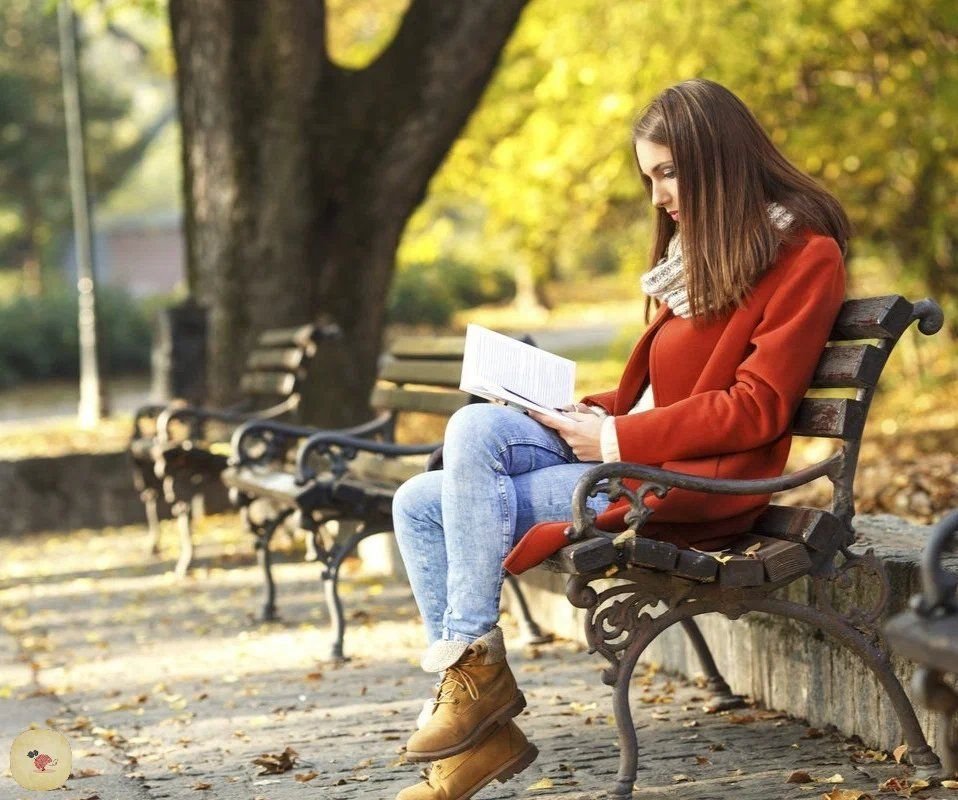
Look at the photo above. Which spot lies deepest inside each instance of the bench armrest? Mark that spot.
(608, 479)
(196, 417)
(276, 438)
(342, 449)
(143, 413)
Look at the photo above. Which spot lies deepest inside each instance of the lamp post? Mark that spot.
(92, 406)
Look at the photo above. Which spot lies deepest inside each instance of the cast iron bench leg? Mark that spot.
(337, 554)
(148, 496)
(531, 632)
(264, 533)
(721, 698)
(184, 522)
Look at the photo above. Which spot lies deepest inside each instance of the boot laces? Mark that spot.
(455, 678)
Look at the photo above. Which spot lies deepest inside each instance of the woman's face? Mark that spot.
(655, 161)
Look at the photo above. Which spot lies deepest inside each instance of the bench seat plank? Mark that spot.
(280, 384)
(287, 358)
(849, 366)
(444, 403)
(436, 373)
(830, 418)
(873, 318)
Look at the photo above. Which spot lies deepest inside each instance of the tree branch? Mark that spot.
(421, 91)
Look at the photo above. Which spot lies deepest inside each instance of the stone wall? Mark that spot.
(67, 492)
(783, 664)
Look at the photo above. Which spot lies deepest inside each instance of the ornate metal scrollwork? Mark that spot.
(338, 455)
(583, 517)
(615, 618)
(839, 578)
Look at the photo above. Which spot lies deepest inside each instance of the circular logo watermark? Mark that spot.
(41, 759)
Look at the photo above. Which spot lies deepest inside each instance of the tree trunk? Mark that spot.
(300, 175)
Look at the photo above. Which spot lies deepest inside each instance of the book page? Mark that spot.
(499, 367)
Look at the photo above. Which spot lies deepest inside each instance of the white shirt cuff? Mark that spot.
(609, 440)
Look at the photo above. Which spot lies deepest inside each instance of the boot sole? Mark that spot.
(498, 718)
(508, 770)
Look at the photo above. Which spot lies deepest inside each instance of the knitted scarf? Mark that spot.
(666, 280)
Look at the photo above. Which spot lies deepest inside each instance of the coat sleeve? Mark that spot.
(604, 400)
(769, 384)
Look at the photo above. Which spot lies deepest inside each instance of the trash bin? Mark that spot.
(178, 358)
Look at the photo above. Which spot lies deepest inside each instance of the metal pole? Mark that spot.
(91, 401)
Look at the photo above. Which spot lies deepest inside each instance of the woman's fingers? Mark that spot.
(551, 422)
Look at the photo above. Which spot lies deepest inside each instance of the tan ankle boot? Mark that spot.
(500, 755)
(476, 694)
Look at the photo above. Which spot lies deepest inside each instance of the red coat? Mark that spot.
(725, 395)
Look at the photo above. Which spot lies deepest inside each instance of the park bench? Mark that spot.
(286, 474)
(633, 588)
(178, 450)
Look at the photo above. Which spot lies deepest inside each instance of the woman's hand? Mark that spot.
(580, 431)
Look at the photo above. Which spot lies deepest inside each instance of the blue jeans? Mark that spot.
(502, 473)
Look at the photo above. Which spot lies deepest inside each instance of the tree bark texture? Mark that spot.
(300, 175)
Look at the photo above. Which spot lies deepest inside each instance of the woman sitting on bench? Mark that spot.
(747, 274)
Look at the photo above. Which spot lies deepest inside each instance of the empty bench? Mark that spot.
(308, 478)
(180, 450)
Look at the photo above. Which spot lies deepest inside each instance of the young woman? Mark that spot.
(748, 276)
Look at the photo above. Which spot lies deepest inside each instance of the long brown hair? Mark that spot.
(728, 171)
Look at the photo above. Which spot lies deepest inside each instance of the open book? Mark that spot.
(499, 367)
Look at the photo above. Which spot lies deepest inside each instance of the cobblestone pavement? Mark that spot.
(171, 689)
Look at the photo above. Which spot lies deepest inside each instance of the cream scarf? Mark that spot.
(666, 280)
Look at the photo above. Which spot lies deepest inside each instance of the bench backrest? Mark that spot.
(421, 374)
(864, 334)
(276, 366)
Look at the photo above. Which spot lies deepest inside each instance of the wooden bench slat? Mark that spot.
(428, 347)
(812, 527)
(288, 358)
(300, 336)
(695, 566)
(829, 417)
(652, 553)
(374, 467)
(852, 366)
(873, 318)
(779, 558)
(741, 570)
(423, 372)
(445, 403)
(589, 555)
(280, 384)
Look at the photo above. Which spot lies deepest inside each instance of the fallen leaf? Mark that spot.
(752, 550)
(580, 708)
(87, 773)
(681, 778)
(899, 752)
(542, 783)
(741, 719)
(305, 777)
(836, 778)
(799, 776)
(276, 764)
(894, 785)
(201, 786)
(702, 761)
(846, 794)
(950, 784)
